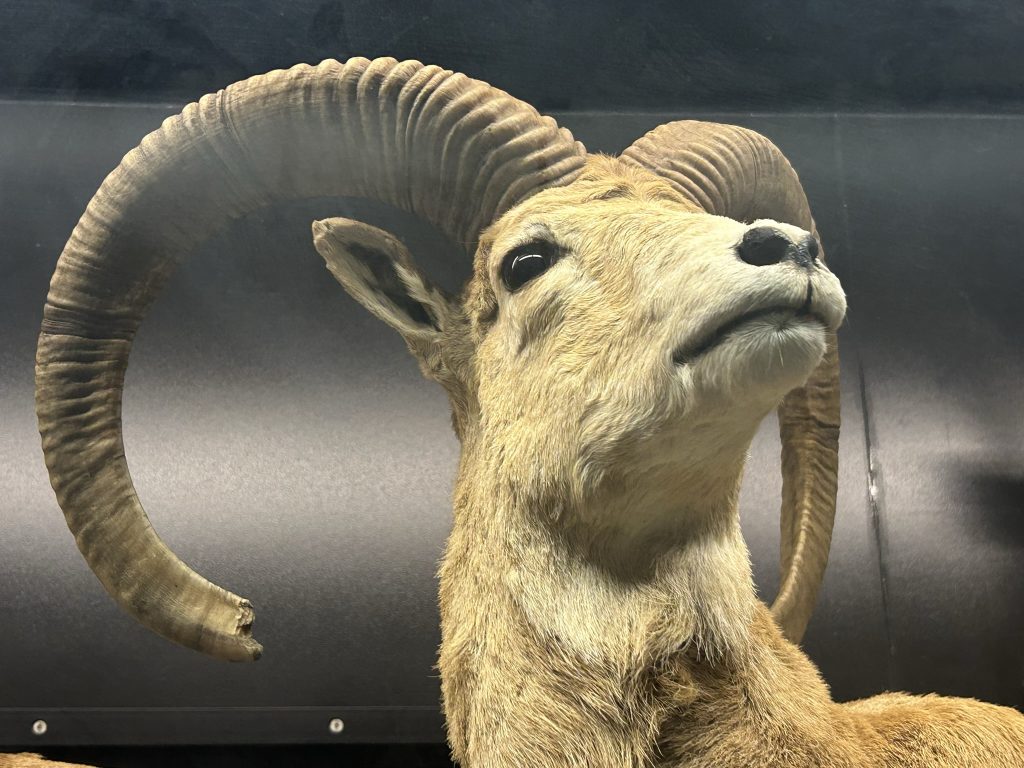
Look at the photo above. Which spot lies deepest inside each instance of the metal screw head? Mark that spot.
(337, 725)
(39, 727)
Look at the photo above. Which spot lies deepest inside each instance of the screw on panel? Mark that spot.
(337, 725)
(39, 727)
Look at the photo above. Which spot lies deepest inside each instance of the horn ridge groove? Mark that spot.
(395, 131)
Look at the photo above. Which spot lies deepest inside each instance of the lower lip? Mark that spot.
(681, 357)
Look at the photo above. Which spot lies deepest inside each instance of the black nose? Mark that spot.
(762, 246)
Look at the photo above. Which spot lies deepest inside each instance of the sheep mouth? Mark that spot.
(690, 351)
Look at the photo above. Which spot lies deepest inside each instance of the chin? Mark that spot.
(761, 361)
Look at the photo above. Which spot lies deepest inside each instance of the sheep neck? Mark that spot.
(539, 629)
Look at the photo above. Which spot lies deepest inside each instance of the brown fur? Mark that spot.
(596, 599)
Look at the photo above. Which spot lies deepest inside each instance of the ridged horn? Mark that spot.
(451, 149)
(734, 172)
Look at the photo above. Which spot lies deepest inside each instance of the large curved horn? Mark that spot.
(451, 149)
(734, 172)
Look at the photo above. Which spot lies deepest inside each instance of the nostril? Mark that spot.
(813, 249)
(804, 253)
(762, 246)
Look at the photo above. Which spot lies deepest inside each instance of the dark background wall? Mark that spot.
(601, 54)
(284, 443)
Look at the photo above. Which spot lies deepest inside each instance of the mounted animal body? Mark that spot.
(628, 324)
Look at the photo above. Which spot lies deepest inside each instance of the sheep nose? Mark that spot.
(762, 246)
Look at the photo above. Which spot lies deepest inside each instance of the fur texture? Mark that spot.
(32, 760)
(596, 597)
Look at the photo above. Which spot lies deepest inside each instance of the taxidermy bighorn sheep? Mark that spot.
(628, 324)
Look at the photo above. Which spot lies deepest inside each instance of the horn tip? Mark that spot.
(253, 648)
(240, 649)
(233, 644)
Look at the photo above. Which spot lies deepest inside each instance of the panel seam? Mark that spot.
(872, 475)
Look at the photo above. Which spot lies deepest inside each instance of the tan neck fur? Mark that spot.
(541, 639)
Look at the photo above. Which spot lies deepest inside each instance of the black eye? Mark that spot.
(526, 262)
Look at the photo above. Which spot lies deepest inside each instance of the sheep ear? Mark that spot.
(378, 272)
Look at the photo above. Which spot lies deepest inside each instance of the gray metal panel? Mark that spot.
(138, 725)
(284, 444)
(935, 218)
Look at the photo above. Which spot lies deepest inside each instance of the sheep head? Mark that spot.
(628, 323)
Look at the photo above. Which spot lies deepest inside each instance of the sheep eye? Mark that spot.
(523, 264)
